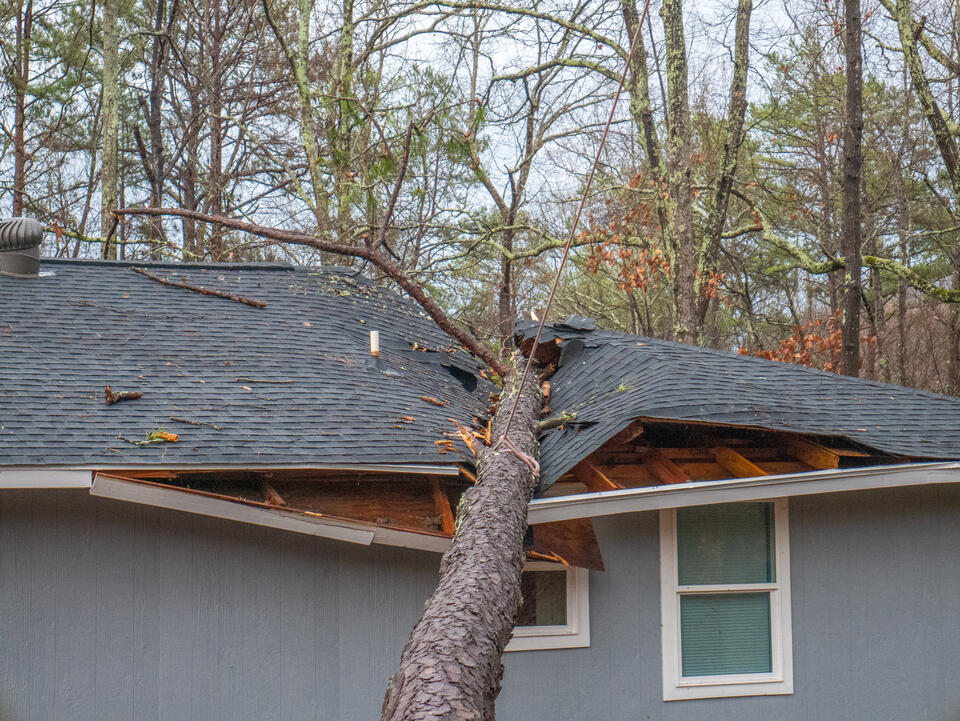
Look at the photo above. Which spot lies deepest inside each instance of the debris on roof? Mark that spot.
(282, 384)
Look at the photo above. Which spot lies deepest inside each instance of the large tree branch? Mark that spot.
(736, 110)
(808, 263)
(391, 269)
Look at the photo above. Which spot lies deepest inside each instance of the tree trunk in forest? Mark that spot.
(451, 666)
(20, 80)
(214, 89)
(342, 125)
(153, 158)
(109, 180)
(852, 171)
(679, 174)
(733, 139)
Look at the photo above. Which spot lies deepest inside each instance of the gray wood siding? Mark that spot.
(115, 611)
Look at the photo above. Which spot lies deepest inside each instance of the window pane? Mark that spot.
(544, 599)
(725, 633)
(728, 543)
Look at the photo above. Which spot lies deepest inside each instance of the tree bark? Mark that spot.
(851, 242)
(20, 82)
(109, 180)
(450, 668)
(733, 140)
(679, 174)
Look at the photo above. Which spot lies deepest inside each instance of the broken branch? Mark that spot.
(547, 424)
(391, 269)
(200, 289)
(115, 397)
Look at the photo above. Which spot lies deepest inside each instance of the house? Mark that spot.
(223, 490)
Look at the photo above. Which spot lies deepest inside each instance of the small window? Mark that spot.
(725, 601)
(554, 610)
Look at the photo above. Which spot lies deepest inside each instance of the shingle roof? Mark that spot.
(610, 378)
(292, 383)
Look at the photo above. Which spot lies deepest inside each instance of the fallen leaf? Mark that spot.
(247, 388)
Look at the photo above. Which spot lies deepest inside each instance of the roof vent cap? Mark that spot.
(20, 247)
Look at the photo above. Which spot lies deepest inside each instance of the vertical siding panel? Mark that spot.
(211, 562)
(326, 612)
(231, 542)
(260, 626)
(17, 658)
(356, 585)
(147, 660)
(174, 586)
(297, 666)
(75, 614)
(110, 555)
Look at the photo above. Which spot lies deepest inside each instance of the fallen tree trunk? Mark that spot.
(450, 668)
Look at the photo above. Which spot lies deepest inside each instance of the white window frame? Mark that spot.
(780, 679)
(576, 632)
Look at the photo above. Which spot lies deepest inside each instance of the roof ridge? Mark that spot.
(278, 266)
(748, 357)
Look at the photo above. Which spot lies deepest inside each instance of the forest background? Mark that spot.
(459, 134)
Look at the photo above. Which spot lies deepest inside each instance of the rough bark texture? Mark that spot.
(852, 171)
(451, 668)
(733, 139)
(20, 80)
(679, 174)
(111, 91)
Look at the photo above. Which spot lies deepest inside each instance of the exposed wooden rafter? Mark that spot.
(665, 470)
(813, 454)
(593, 478)
(442, 502)
(626, 436)
(738, 465)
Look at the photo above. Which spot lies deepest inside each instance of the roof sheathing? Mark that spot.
(292, 383)
(607, 379)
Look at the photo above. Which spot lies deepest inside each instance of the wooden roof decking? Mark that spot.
(653, 452)
(650, 452)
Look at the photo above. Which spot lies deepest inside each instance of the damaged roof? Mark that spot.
(608, 379)
(289, 383)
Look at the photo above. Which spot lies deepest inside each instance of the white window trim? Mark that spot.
(780, 681)
(576, 632)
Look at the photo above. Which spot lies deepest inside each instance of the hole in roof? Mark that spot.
(467, 379)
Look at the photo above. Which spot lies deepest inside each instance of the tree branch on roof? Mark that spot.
(200, 289)
(391, 269)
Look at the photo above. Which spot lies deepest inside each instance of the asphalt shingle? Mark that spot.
(292, 383)
(607, 379)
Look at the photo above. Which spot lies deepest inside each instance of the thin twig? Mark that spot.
(200, 289)
(262, 380)
(195, 423)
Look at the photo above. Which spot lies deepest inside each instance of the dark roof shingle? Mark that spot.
(292, 383)
(609, 378)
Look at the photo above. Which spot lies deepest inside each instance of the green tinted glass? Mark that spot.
(726, 543)
(544, 599)
(725, 633)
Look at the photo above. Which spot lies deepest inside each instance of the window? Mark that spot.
(725, 601)
(555, 610)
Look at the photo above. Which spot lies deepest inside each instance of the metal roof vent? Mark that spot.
(20, 247)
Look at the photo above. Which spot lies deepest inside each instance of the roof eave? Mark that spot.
(651, 498)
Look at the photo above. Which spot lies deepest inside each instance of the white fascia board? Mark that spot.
(651, 498)
(177, 500)
(406, 539)
(44, 478)
(152, 494)
(432, 469)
